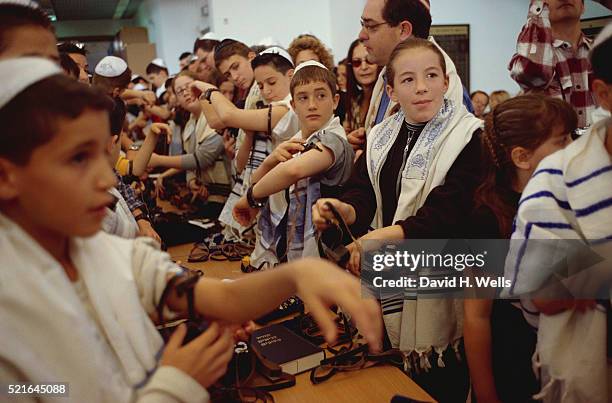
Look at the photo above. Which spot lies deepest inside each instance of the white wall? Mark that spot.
(252, 20)
(173, 27)
(345, 27)
(494, 27)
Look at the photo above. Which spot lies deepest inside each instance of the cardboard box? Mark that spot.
(138, 56)
(133, 35)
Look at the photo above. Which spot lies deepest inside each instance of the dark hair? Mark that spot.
(31, 119)
(413, 11)
(14, 16)
(184, 55)
(228, 48)
(353, 90)
(117, 116)
(207, 45)
(69, 65)
(108, 84)
(70, 47)
(524, 121)
(137, 79)
(412, 43)
(479, 92)
(277, 62)
(169, 82)
(258, 48)
(155, 69)
(600, 60)
(311, 42)
(311, 74)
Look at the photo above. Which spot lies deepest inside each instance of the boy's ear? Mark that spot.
(251, 56)
(112, 141)
(336, 100)
(520, 158)
(391, 93)
(290, 73)
(603, 94)
(292, 103)
(8, 180)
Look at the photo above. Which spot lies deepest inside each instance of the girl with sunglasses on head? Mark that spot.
(361, 76)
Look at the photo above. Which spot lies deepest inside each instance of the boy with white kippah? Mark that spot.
(112, 75)
(157, 74)
(89, 295)
(313, 164)
(265, 128)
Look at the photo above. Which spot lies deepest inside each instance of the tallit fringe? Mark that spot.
(419, 361)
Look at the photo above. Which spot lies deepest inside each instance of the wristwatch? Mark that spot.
(134, 147)
(208, 94)
(254, 203)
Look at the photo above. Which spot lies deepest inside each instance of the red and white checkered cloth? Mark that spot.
(542, 63)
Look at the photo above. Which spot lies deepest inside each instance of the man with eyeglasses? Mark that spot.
(384, 24)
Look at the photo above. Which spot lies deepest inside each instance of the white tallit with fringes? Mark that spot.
(48, 335)
(420, 325)
(569, 197)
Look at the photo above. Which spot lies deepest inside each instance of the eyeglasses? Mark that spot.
(369, 28)
(356, 63)
(182, 91)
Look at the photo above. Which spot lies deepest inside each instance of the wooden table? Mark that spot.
(375, 384)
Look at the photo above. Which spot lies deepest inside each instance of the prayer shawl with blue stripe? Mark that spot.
(300, 231)
(421, 325)
(569, 197)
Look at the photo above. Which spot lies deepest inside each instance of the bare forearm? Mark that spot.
(477, 335)
(144, 154)
(246, 296)
(391, 232)
(213, 119)
(266, 166)
(167, 161)
(277, 179)
(243, 152)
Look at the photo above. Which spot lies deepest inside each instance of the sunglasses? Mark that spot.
(356, 63)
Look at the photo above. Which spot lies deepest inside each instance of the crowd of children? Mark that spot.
(282, 141)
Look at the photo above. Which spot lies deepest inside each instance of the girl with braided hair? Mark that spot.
(499, 342)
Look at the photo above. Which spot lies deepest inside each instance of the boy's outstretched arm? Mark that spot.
(286, 174)
(318, 283)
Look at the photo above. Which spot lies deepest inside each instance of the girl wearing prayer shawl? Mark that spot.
(75, 302)
(499, 342)
(417, 181)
